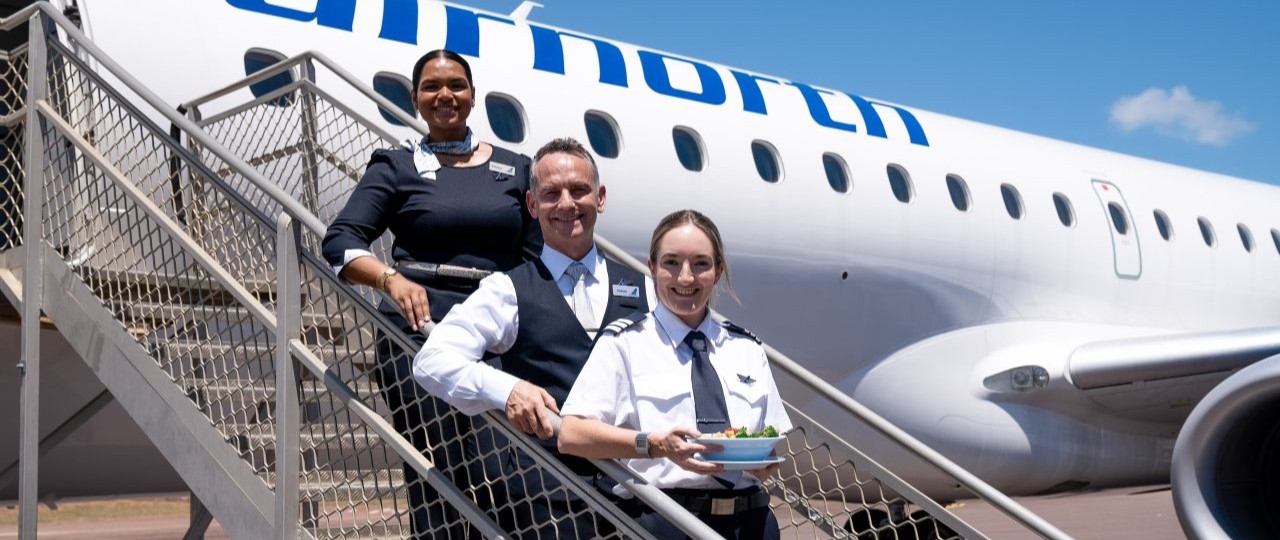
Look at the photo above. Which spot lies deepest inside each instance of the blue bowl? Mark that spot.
(757, 449)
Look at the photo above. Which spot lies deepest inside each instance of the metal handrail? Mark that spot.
(976, 485)
(677, 514)
(980, 488)
(298, 211)
(22, 15)
(651, 495)
(386, 105)
(294, 208)
(265, 316)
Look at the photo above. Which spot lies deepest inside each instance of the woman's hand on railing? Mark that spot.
(673, 445)
(411, 298)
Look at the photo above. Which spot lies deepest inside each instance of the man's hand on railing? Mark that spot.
(525, 406)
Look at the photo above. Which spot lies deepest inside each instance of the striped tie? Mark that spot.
(581, 302)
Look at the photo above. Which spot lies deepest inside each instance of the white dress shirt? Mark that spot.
(488, 320)
(641, 378)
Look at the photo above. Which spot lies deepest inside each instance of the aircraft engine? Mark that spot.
(1226, 462)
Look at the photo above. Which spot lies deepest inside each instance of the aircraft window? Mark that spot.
(688, 148)
(1012, 200)
(1066, 214)
(1118, 219)
(837, 172)
(1165, 226)
(602, 132)
(767, 163)
(398, 90)
(506, 118)
(1246, 237)
(256, 60)
(959, 192)
(1275, 239)
(900, 182)
(1206, 232)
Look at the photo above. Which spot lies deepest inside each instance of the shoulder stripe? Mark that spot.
(734, 328)
(624, 322)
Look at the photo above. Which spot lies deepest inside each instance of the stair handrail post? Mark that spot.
(310, 188)
(32, 282)
(288, 329)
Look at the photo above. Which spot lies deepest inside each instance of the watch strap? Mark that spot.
(642, 444)
(384, 276)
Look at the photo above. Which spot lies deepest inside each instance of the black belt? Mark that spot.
(718, 503)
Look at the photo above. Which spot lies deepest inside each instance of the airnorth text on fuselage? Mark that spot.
(400, 23)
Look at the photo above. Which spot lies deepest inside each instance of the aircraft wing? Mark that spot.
(1161, 378)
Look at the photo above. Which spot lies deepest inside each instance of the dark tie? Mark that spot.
(709, 409)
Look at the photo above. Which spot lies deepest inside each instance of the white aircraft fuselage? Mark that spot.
(913, 308)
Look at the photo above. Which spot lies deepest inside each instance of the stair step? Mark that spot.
(124, 282)
(318, 486)
(370, 531)
(312, 436)
(165, 313)
(259, 390)
(363, 358)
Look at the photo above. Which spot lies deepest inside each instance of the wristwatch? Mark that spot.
(642, 444)
(384, 276)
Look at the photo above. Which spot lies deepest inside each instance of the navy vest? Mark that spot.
(551, 347)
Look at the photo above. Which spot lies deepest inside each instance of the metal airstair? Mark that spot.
(179, 257)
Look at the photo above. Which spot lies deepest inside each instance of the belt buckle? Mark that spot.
(723, 507)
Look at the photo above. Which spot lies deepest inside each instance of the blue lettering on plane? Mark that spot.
(400, 23)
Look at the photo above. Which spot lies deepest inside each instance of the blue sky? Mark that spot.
(1190, 83)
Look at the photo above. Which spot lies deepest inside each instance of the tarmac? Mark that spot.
(1130, 513)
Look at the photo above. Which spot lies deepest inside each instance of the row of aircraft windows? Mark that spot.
(507, 120)
(603, 134)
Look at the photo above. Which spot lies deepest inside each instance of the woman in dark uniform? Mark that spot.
(448, 199)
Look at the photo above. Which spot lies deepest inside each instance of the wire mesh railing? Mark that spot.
(132, 243)
(828, 489)
(183, 255)
(13, 68)
(481, 454)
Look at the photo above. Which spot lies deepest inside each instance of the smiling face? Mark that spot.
(685, 272)
(444, 98)
(565, 201)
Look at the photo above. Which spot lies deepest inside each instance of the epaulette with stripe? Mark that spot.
(624, 322)
(730, 326)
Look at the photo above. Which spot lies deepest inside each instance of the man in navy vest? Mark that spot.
(542, 317)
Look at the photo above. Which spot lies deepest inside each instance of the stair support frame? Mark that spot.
(32, 284)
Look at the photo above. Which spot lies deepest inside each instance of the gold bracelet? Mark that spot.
(384, 276)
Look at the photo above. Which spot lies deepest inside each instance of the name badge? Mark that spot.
(502, 168)
(626, 291)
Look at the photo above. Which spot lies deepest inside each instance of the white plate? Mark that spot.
(747, 465)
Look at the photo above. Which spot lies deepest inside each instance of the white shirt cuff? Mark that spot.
(497, 388)
(348, 256)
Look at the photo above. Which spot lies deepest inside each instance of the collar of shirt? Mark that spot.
(675, 329)
(557, 262)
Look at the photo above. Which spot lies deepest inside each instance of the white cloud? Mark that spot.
(1177, 113)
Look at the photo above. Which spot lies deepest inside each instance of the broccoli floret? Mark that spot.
(743, 433)
(770, 431)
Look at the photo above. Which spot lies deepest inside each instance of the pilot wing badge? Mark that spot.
(746, 379)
